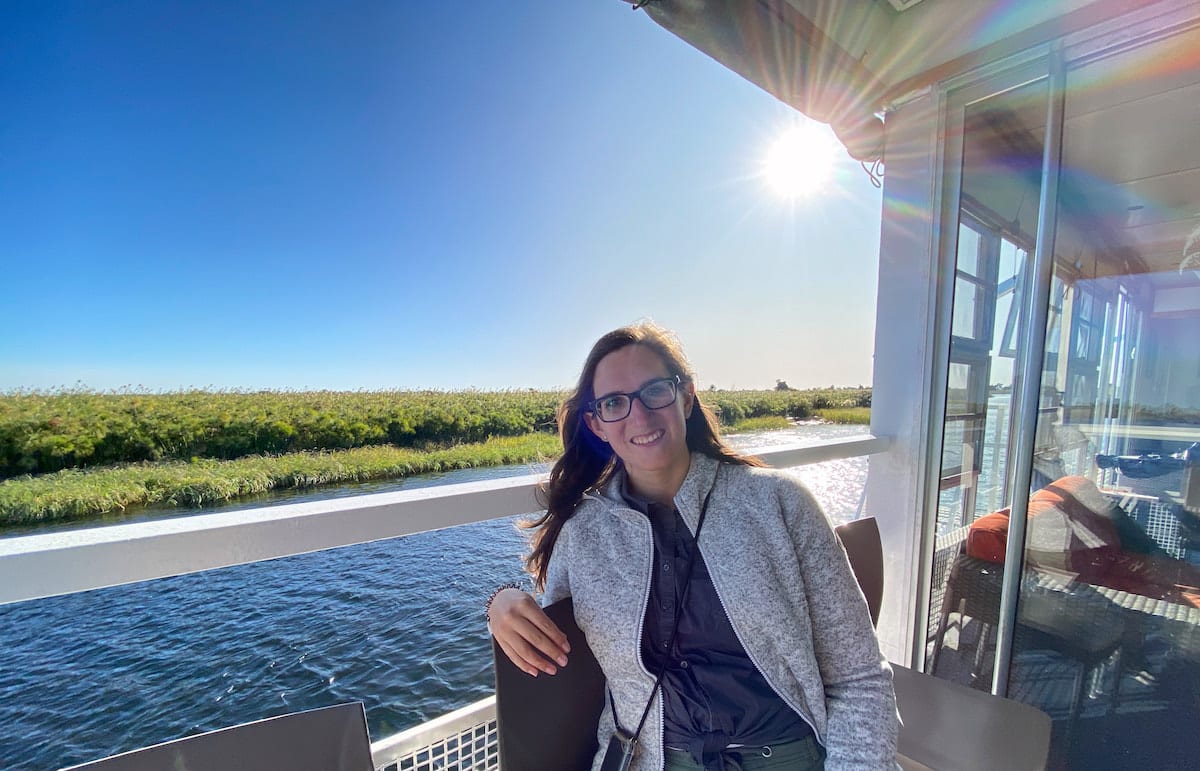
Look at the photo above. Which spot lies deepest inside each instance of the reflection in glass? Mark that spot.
(966, 308)
(1002, 149)
(1001, 183)
(1107, 639)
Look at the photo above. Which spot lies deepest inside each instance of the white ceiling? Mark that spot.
(1133, 131)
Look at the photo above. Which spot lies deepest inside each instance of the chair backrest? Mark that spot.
(548, 723)
(326, 739)
(861, 541)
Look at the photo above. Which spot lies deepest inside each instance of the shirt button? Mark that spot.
(683, 664)
(665, 643)
(666, 606)
(666, 567)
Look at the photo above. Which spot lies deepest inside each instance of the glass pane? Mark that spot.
(1108, 628)
(957, 398)
(966, 305)
(952, 454)
(1011, 258)
(1008, 295)
(1001, 145)
(968, 250)
(994, 461)
(1083, 336)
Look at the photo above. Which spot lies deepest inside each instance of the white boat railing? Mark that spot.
(463, 740)
(50, 564)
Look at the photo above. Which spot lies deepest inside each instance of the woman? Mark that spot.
(775, 664)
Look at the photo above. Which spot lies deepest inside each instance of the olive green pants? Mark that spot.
(804, 755)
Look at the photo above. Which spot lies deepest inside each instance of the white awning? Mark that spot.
(772, 44)
(843, 62)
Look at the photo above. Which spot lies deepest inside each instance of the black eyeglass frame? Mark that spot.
(674, 380)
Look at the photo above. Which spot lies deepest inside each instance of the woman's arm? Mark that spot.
(526, 635)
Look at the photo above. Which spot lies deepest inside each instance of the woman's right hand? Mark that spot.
(527, 635)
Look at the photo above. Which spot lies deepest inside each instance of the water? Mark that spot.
(396, 624)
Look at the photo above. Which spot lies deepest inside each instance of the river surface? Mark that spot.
(396, 624)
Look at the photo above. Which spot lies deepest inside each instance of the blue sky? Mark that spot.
(403, 195)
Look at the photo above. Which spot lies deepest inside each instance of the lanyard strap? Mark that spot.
(687, 583)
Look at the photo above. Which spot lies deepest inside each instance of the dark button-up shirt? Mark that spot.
(713, 695)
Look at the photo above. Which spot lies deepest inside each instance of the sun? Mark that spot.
(800, 162)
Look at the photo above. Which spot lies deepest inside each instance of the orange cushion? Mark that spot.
(1067, 531)
(988, 536)
(1064, 531)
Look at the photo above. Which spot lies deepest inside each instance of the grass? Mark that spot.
(847, 415)
(76, 454)
(45, 432)
(855, 415)
(733, 406)
(765, 423)
(81, 493)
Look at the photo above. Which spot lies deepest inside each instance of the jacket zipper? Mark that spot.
(662, 720)
(638, 642)
(717, 589)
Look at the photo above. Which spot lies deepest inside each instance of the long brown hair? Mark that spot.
(587, 462)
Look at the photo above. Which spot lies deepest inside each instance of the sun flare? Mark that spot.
(800, 162)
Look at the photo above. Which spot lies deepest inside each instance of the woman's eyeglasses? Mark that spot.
(655, 395)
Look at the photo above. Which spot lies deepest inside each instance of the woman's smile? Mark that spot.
(647, 439)
(651, 443)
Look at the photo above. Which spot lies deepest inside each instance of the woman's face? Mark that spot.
(651, 443)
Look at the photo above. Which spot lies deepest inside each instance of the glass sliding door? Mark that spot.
(1107, 634)
(1098, 622)
(996, 229)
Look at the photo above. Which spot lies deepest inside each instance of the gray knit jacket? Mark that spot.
(784, 582)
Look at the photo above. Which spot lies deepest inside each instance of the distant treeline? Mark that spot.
(47, 432)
